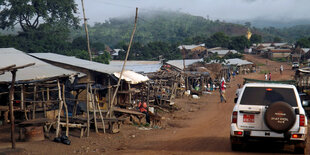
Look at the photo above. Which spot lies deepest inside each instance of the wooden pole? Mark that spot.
(12, 108)
(129, 87)
(34, 103)
(109, 91)
(66, 109)
(47, 96)
(86, 31)
(148, 94)
(44, 103)
(23, 101)
(60, 108)
(94, 108)
(22, 104)
(103, 126)
(87, 109)
(123, 68)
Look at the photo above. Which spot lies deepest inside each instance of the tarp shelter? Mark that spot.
(132, 77)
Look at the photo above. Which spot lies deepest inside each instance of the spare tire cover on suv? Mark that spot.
(280, 117)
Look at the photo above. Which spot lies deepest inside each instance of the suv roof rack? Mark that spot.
(247, 80)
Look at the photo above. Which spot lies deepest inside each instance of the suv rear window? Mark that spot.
(266, 96)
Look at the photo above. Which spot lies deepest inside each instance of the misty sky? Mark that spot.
(228, 10)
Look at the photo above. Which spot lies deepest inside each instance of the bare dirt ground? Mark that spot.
(200, 127)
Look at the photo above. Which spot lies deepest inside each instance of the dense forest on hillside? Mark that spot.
(171, 27)
(177, 27)
(157, 34)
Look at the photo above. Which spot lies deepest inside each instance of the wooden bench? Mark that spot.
(35, 122)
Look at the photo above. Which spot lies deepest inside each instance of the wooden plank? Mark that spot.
(127, 111)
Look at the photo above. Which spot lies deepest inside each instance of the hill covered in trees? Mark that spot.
(177, 27)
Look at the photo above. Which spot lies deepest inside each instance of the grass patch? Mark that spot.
(279, 59)
(264, 71)
(260, 64)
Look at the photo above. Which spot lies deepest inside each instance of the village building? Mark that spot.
(222, 53)
(38, 94)
(142, 67)
(193, 51)
(278, 53)
(103, 80)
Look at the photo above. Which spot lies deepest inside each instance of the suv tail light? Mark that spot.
(234, 117)
(301, 120)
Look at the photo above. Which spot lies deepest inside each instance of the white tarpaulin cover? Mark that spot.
(132, 77)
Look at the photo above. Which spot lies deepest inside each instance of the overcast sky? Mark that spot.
(228, 10)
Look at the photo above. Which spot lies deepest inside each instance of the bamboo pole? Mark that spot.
(60, 108)
(123, 68)
(66, 109)
(12, 109)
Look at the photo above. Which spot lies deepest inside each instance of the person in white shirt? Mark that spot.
(266, 77)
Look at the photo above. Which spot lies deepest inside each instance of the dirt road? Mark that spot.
(208, 130)
(200, 127)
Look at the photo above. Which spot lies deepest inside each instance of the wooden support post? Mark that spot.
(66, 109)
(22, 97)
(76, 103)
(129, 87)
(12, 108)
(103, 126)
(34, 103)
(109, 93)
(94, 108)
(60, 108)
(148, 94)
(44, 103)
(87, 109)
(22, 104)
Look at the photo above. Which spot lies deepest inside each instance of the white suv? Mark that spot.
(269, 112)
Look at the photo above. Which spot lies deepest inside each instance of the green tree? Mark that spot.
(239, 43)
(303, 43)
(277, 40)
(255, 38)
(29, 13)
(104, 58)
(218, 39)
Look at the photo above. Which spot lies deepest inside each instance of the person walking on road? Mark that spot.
(222, 90)
(269, 76)
(281, 69)
(266, 76)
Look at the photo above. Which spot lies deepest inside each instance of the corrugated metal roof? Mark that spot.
(73, 61)
(138, 66)
(237, 61)
(223, 52)
(41, 70)
(189, 47)
(179, 63)
(132, 77)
